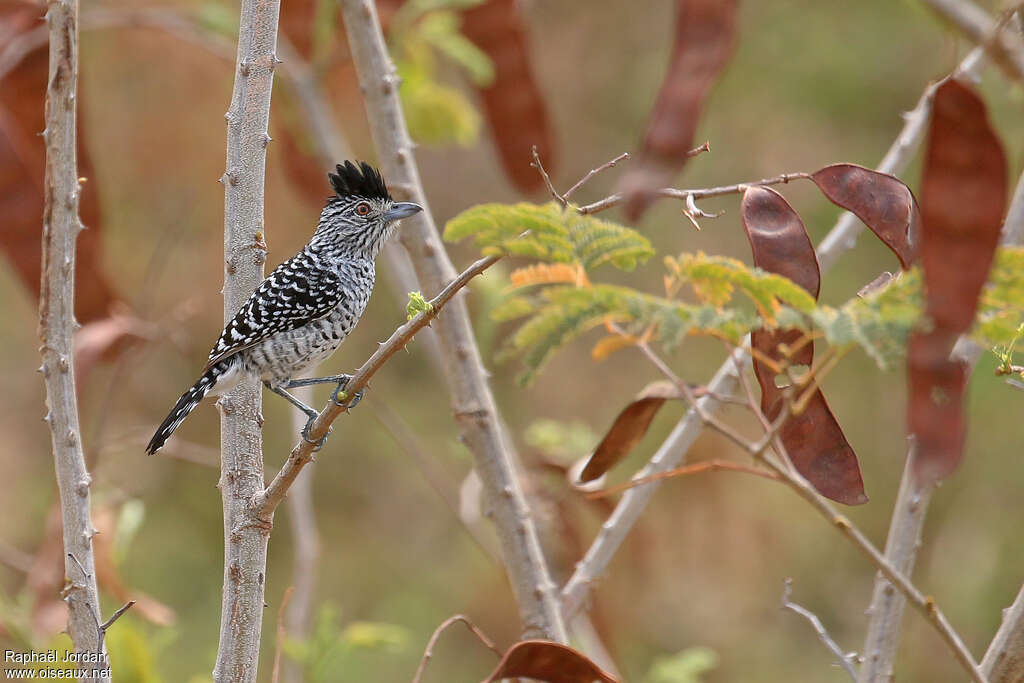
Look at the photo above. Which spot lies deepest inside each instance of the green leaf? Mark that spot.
(417, 304)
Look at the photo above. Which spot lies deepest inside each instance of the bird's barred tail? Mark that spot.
(185, 405)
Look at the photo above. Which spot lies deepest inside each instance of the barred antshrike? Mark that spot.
(308, 305)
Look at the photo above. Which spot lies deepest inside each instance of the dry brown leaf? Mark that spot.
(543, 660)
(629, 428)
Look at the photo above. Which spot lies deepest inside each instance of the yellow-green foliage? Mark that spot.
(546, 233)
(566, 304)
(417, 304)
(421, 33)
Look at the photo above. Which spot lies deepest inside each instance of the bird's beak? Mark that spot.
(401, 210)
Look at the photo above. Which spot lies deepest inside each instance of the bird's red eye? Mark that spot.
(363, 209)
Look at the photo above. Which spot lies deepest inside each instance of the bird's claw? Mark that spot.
(340, 398)
(317, 445)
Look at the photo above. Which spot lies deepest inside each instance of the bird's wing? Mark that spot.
(290, 297)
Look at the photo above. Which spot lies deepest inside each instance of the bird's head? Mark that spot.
(361, 215)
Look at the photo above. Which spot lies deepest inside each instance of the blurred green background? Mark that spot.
(810, 84)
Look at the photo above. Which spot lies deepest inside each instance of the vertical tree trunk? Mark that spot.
(245, 533)
(472, 400)
(61, 226)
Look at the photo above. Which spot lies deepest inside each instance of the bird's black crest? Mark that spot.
(362, 181)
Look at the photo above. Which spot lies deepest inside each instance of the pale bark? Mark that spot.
(471, 396)
(245, 531)
(61, 226)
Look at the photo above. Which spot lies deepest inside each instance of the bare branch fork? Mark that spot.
(302, 453)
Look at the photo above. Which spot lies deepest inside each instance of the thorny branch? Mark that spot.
(302, 453)
(61, 225)
(241, 477)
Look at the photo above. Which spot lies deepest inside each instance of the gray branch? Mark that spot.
(61, 226)
(887, 604)
(672, 452)
(471, 396)
(245, 532)
(1005, 48)
(1004, 659)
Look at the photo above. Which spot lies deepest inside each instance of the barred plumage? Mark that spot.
(307, 305)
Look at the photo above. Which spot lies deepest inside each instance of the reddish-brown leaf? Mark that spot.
(813, 439)
(882, 202)
(22, 158)
(628, 429)
(963, 199)
(704, 37)
(513, 104)
(544, 660)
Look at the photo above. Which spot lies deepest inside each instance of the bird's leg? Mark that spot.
(342, 381)
(310, 413)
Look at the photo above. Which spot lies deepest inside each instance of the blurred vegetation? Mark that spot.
(811, 83)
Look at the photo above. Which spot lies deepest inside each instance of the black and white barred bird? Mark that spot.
(307, 306)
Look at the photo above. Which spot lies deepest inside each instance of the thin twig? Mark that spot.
(701, 193)
(684, 471)
(536, 163)
(819, 628)
(594, 171)
(458, 618)
(116, 615)
(278, 645)
(302, 453)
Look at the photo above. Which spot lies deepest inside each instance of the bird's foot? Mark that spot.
(341, 398)
(317, 445)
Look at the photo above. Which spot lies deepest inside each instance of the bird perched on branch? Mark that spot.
(307, 306)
